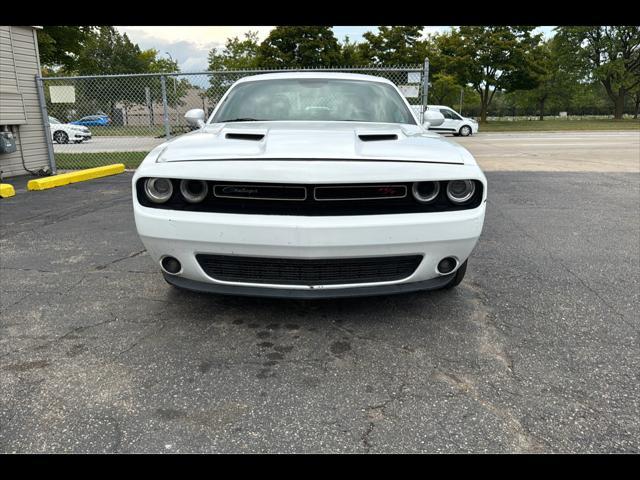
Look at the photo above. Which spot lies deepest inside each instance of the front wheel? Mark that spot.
(465, 131)
(455, 281)
(60, 137)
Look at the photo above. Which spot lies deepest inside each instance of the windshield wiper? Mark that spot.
(247, 119)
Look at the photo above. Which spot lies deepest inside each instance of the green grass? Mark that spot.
(77, 161)
(550, 125)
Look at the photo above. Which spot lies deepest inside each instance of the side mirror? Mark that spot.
(432, 118)
(195, 117)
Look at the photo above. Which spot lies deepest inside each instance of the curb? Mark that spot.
(74, 177)
(6, 190)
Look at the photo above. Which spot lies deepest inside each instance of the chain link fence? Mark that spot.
(100, 120)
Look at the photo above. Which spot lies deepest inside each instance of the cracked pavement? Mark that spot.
(536, 351)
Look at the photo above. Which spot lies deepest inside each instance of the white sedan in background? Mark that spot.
(308, 185)
(66, 132)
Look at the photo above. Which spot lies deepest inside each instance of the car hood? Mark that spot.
(72, 126)
(313, 140)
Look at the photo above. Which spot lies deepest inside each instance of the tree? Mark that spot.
(492, 59)
(109, 53)
(635, 98)
(401, 45)
(299, 46)
(608, 54)
(59, 47)
(351, 54)
(444, 89)
(556, 80)
(237, 54)
(175, 88)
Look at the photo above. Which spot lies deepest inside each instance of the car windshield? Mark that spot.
(54, 120)
(314, 99)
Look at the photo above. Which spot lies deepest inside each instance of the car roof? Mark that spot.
(440, 106)
(319, 75)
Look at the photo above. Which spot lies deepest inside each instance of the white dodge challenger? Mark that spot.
(310, 185)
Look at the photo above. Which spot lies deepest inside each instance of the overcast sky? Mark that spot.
(189, 46)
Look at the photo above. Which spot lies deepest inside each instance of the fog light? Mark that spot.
(171, 265)
(446, 265)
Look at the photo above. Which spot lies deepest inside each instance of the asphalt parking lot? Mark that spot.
(536, 351)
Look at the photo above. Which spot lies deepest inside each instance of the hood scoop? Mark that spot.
(255, 137)
(377, 137)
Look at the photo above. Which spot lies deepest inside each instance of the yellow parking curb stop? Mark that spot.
(6, 190)
(74, 177)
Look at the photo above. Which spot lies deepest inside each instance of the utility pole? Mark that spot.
(461, 98)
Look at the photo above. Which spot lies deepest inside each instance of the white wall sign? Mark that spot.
(63, 94)
(414, 77)
(409, 91)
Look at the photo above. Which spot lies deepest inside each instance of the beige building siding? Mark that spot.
(19, 103)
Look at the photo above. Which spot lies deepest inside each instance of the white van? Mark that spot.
(454, 123)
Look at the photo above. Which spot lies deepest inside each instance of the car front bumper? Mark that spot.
(80, 137)
(184, 234)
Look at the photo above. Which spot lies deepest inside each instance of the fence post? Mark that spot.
(425, 88)
(165, 109)
(45, 122)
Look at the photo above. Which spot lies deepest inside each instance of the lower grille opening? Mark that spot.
(327, 271)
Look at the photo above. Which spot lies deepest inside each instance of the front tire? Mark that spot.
(60, 137)
(465, 131)
(455, 281)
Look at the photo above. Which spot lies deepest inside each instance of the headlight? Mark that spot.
(194, 191)
(425, 192)
(460, 191)
(158, 190)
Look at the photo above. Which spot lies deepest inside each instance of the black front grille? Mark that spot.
(326, 271)
(309, 199)
(357, 192)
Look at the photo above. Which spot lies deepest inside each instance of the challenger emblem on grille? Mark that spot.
(260, 192)
(247, 192)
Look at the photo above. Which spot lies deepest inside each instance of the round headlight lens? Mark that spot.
(460, 191)
(425, 192)
(194, 191)
(158, 190)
